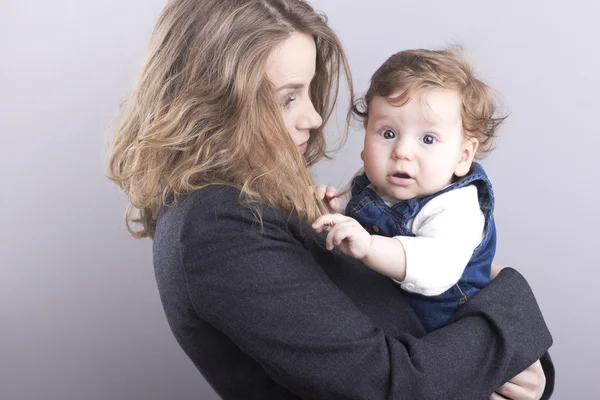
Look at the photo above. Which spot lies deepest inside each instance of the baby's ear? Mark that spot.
(469, 148)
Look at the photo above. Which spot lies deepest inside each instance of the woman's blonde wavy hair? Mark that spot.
(203, 112)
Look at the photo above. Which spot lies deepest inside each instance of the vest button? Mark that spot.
(375, 229)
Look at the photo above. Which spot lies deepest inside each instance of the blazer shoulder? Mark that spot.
(215, 207)
(203, 204)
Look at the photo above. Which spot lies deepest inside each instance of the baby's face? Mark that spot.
(415, 150)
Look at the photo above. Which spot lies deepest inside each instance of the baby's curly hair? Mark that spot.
(408, 72)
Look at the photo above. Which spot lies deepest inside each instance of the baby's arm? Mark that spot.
(387, 256)
(382, 254)
(448, 229)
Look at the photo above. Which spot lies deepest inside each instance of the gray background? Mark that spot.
(79, 309)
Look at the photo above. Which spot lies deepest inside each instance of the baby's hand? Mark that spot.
(327, 193)
(345, 233)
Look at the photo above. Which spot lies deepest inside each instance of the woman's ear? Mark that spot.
(469, 148)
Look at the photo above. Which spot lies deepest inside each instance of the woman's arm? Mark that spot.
(266, 292)
(533, 380)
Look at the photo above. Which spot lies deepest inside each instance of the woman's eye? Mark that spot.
(387, 134)
(428, 139)
(287, 102)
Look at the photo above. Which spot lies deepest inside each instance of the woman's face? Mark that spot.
(291, 68)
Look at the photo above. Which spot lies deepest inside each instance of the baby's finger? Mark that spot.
(342, 231)
(337, 234)
(320, 191)
(328, 219)
(334, 204)
(330, 191)
(319, 223)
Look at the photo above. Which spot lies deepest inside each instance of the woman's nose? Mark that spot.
(310, 118)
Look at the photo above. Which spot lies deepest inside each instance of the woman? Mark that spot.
(213, 150)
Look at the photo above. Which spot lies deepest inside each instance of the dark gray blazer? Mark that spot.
(269, 315)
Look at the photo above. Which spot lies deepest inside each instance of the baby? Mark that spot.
(421, 213)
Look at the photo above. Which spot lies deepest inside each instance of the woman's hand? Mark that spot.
(495, 270)
(345, 233)
(327, 193)
(528, 385)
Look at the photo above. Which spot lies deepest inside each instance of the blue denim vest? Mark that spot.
(378, 218)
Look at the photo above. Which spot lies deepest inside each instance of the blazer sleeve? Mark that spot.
(548, 368)
(267, 293)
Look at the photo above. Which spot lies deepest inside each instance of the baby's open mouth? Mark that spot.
(402, 175)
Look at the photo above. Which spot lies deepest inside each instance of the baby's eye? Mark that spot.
(387, 134)
(428, 139)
